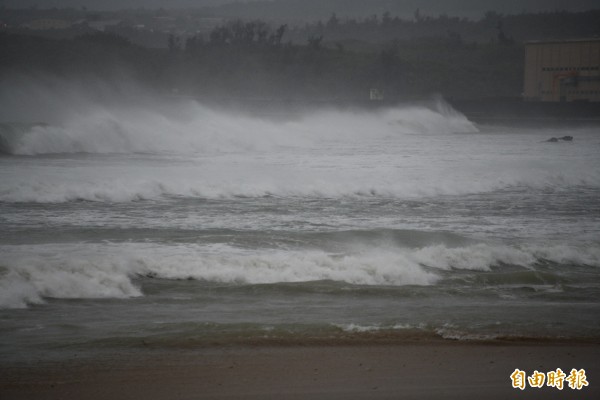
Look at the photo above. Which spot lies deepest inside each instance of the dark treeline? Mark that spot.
(150, 28)
(266, 67)
(313, 10)
(250, 58)
(254, 60)
(522, 27)
(261, 65)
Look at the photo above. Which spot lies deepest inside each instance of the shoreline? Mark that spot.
(426, 369)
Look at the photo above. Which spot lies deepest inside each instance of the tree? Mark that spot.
(279, 34)
(386, 18)
(314, 42)
(193, 44)
(418, 17)
(333, 22)
(174, 43)
(502, 38)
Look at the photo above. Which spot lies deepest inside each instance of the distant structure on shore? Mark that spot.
(562, 71)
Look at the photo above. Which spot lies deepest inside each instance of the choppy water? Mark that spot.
(131, 225)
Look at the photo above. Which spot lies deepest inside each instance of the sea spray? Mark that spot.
(204, 130)
(132, 218)
(34, 272)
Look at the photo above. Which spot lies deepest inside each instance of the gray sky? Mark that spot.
(111, 4)
(365, 7)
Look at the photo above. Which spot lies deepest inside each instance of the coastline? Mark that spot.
(191, 285)
(413, 369)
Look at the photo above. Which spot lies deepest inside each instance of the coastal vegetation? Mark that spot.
(336, 59)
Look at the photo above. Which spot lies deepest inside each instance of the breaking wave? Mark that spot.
(95, 150)
(118, 182)
(29, 274)
(194, 128)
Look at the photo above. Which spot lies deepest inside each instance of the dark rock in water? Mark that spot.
(564, 139)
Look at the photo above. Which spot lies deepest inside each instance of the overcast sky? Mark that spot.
(398, 7)
(111, 4)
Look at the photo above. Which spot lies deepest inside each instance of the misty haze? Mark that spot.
(334, 199)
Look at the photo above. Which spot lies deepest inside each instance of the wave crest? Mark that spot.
(109, 270)
(194, 128)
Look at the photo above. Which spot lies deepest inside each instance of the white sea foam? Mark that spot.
(96, 117)
(47, 272)
(344, 172)
(32, 273)
(198, 129)
(153, 150)
(360, 328)
(563, 254)
(451, 332)
(475, 257)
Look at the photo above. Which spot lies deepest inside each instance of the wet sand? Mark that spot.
(432, 370)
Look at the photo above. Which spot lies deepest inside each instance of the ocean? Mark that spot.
(128, 227)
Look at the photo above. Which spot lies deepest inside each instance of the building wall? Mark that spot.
(562, 71)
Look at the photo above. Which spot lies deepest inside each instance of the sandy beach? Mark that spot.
(418, 370)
